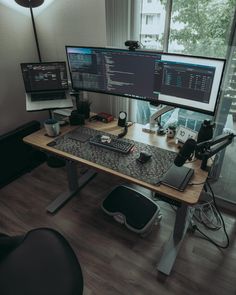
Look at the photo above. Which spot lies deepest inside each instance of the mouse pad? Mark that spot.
(150, 172)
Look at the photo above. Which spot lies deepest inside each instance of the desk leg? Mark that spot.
(183, 217)
(74, 184)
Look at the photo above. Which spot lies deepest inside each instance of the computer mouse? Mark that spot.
(144, 157)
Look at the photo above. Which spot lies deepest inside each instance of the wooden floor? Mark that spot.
(116, 261)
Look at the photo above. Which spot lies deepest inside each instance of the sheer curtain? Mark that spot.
(122, 25)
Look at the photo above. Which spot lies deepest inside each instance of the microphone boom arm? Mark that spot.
(211, 147)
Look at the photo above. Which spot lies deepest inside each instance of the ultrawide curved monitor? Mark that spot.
(178, 80)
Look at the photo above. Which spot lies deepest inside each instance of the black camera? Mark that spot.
(132, 44)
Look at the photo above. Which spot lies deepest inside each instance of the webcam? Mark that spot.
(132, 44)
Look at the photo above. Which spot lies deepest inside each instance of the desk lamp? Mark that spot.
(32, 4)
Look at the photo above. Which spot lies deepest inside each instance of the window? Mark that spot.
(149, 19)
(193, 29)
(152, 24)
(196, 30)
(202, 28)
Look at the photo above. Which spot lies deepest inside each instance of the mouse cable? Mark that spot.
(195, 227)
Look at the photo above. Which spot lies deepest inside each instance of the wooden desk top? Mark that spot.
(190, 195)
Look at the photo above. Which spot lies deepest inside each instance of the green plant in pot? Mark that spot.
(83, 107)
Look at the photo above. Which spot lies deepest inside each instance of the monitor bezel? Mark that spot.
(158, 101)
(46, 63)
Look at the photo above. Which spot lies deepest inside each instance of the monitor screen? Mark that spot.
(183, 81)
(49, 76)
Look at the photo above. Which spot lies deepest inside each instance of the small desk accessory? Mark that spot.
(52, 127)
(103, 117)
(183, 134)
(122, 119)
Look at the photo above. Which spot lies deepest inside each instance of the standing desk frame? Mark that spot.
(185, 199)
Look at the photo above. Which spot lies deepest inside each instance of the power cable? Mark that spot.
(220, 221)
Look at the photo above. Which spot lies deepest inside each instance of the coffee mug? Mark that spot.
(52, 127)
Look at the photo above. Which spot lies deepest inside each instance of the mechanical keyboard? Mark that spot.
(116, 145)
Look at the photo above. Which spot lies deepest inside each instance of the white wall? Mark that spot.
(73, 22)
(16, 46)
(64, 22)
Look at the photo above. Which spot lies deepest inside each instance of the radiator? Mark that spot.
(16, 157)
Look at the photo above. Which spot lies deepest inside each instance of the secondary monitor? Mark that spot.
(48, 76)
(177, 80)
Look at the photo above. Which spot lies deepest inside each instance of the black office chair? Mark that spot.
(39, 263)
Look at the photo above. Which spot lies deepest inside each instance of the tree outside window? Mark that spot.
(197, 27)
(201, 27)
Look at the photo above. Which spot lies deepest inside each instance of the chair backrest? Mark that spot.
(41, 262)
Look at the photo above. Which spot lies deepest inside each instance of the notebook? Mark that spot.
(177, 177)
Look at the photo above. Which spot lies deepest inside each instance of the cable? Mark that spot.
(207, 214)
(195, 227)
(191, 161)
(124, 132)
(220, 215)
(198, 183)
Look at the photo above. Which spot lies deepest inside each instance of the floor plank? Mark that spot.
(116, 261)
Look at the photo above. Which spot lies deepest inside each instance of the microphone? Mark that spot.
(185, 152)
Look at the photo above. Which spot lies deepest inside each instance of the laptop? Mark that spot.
(46, 85)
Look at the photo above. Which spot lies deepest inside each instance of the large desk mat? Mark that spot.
(75, 143)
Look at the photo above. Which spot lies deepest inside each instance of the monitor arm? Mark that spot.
(162, 110)
(151, 127)
(209, 148)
